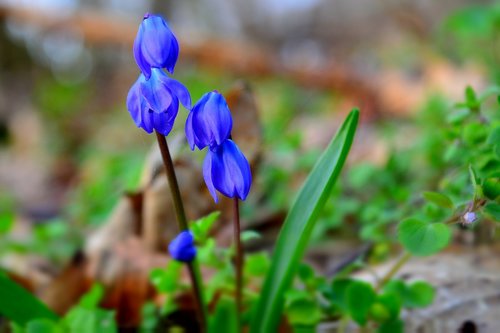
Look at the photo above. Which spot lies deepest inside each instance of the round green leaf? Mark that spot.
(379, 312)
(423, 239)
(493, 209)
(360, 298)
(392, 303)
(338, 294)
(396, 326)
(303, 312)
(491, 188)
(438, 199)
(420, 294)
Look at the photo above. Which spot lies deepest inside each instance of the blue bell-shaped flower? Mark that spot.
(182, 247)
(154, 103)
(209, 123)
(155, 45)
(227, 170)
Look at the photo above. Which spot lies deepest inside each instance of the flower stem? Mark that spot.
(238, 260)
(194, 270)
(394, 269)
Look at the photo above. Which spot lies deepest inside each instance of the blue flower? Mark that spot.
(154, 103)
(469, 218)
(210, 122)
(155, 45)
(227, 170)
(182, 247)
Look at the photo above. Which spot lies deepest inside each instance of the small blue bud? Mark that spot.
(155, 45)
(227, 170)
(209, 123)
(154, 103)
(469, 217)
(182, 247)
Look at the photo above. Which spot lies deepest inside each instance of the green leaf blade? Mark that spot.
(439, 199)
(19, 305)
(423, 239)
(298, 225)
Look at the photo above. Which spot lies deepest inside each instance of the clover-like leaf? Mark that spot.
(360, 298)
(439, 199)
(421, 238)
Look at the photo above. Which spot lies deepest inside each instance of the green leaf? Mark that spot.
(491, 188)
(20, 306)
(360, 298)
(423, 239)
(391, 303)
(298, 225)
(494, 137)
(249, 235)
(80, 319)
(43, 326)
(419, 294)
(438, 199)
(6, 222)
(257, 264)
(92, 298)
(167, 279)
(306, 273)
(303, 311)
(201, 227)
(471, 98)
(396, 326)
(338, 294)
(224, 319)
(493, 209)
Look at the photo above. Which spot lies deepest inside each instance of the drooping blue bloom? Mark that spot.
(227, 170)
(182, 247)
(154, 103)
(155, 45)
(209, 123)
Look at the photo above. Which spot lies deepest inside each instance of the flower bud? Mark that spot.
(182, 247)
(209, 123)
(155, 45)
(469, 217)
(227, 170)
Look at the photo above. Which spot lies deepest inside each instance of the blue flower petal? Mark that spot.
(179, 90)
(227, 170)
(134, 102)
(156, 92)
(155, 45)
(238, 169)
(139, 59)
(207, 174)
(152, 105)
(211, 122)
(189, 131)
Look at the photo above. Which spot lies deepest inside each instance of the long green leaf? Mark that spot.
(298, 225)
(19, 305)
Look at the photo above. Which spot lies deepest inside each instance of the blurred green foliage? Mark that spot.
(471, 34)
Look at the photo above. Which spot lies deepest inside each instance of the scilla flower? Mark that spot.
(155, 45)
(182, 247)
(154, 103)
(227, 170)
(209, 123)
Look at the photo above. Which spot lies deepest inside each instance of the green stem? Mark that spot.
(194, 270)
(344, 321)
(394, 269)
(238, 260)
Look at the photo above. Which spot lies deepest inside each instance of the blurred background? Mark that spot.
(69, 151)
